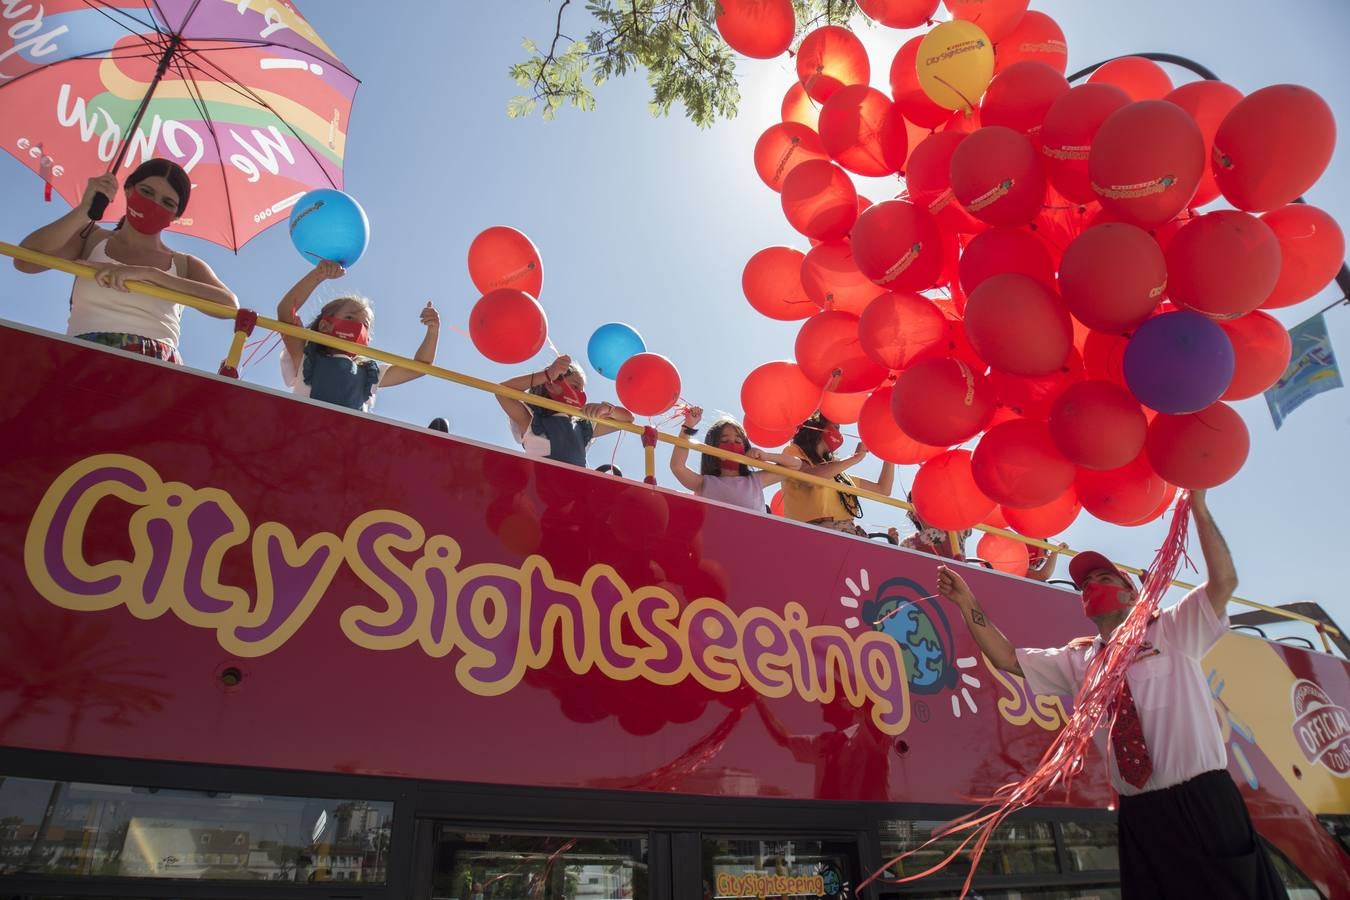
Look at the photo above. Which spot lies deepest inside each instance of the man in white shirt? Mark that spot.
(1184, 830)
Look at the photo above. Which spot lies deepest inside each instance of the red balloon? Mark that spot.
(1036, 38)
(1067, 132)
(772, 282)
(883, 438)
(942, 401)
(1141, 78)
(647, 384)
(1312, 249)
(1208, 102)
(1168, 496)
(1261, 353)
(1033, 396)
(502, 257)
(1104, 356)
(1113, 276)
(1200, 450)
(863, 132)
(1017, 465)
(1273, 146)
(1019, 325)
(783, 147)
(508, 326)
(1004, 249)
(1098, 425)
(829, 58)
(945, 494)
(776, 504)
(842, 409)
(997, 176)
(1048, 519)
(958, 344)
(899, 13)
(829, 342)
(996, 18)
(1223, 264)
(896, 328)
(832, 280)
(767, 437)
(1004, 554)
(1021, 95)
(913, 103)
(799, 108)
(778, 396)
(1146, 161)
(1121, 496)
(819, 200)
(928, 181)
(761, 29)
(895, 243)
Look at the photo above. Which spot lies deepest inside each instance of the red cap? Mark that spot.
(1089, 561)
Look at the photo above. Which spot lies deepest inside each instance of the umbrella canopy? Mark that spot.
(243, 94)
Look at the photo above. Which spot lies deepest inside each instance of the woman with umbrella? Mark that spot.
(102, 309)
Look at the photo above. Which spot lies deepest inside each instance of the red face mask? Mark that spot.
(568, 394)
(348, 330)
(1100, 599)
(833, 439)
(731, 446)
(145, 215)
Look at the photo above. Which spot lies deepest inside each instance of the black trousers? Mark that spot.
(1193, 840)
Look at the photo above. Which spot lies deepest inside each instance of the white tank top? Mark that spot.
(94, 308)
(739, 490)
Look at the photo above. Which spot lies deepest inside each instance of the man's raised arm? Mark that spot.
(990, 640)
(1222, 578)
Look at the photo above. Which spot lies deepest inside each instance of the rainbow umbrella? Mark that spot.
(242, 93)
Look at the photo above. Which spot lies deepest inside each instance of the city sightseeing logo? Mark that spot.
(1321, 728)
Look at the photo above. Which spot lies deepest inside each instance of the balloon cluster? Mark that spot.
(1046, 281)
(508, 325)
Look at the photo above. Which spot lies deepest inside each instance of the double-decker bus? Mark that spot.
(253, 646)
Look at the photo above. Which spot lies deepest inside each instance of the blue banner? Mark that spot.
(1312, 369)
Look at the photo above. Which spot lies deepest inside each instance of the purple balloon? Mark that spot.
(1179, 362)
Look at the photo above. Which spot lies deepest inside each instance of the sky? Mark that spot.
(649, 221)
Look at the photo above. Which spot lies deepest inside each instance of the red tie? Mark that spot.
(1127, 741)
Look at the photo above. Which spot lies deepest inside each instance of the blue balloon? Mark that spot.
(328, 224)
(1179, 362)
(611, 346)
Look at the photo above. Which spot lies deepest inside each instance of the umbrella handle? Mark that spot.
(98, 206)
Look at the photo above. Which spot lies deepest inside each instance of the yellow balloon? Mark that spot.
(955, 64)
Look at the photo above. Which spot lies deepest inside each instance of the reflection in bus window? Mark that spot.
(69, 829)
(1016, 848)
(777, 868)
(485, 866)
(1077, 892)
(1091, 846)
(1298, 885)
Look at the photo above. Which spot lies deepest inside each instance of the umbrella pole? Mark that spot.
(101, 200)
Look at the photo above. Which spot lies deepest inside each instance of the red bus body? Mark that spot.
(199, 570)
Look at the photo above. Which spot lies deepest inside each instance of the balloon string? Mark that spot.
(969, 106)
(904, 605)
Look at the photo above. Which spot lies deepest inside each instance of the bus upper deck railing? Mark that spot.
(246, 319)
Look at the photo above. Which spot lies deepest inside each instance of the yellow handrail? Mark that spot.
(84, 270)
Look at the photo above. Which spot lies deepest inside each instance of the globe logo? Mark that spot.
(903, 610)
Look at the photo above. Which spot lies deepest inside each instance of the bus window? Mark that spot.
(480, 865)
(65, 828)
(737, 867)
(1090, 846)
(1016, 848)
